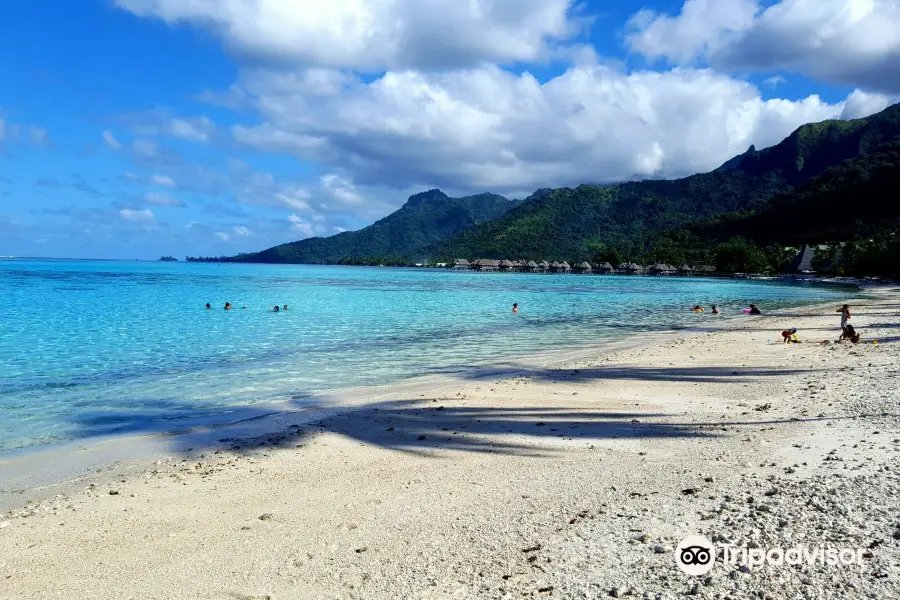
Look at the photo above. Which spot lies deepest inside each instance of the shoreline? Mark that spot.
(570, 481)
(36, 474)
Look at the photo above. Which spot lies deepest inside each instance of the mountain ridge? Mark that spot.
(578, 223)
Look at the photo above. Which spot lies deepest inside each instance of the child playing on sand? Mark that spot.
(845, 316)
(849, 333)
(790, 336)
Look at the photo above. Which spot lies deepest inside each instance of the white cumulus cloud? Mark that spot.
(163, 180)
(140, 216)
(489, 129)
(162, 199)
(848, 42)
(376, 34)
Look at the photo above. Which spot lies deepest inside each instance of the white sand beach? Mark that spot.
(572, 482)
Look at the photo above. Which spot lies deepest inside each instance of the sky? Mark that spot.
(141, 128)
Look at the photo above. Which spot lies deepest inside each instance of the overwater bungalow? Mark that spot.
(486, 264)
(530, 267)
(661, 269)
(630, 268)
(461, 264)
(704, 270)
(543, 266)
(604, 269)
(685, 270)
(582, 268)
(506, 265)
(564, 267)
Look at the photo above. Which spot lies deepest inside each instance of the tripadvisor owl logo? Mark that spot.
(695, 555)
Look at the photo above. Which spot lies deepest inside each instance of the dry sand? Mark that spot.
(574, 482)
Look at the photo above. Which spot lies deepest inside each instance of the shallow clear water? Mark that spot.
(93, 348)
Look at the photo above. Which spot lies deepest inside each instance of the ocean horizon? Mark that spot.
(94, 348)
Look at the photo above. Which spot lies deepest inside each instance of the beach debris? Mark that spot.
(113, 492)
(266, 517)
(361, 549)
(661, 549)
(533, 548)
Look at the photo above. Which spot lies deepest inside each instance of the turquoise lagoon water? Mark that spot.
(95, 348)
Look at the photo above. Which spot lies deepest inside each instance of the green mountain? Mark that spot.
(857, 197)
(411, 232)
(584, 222)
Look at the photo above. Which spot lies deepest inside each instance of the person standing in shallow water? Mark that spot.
(228, 306)
(516, 308)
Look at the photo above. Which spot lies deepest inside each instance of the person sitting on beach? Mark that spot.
(754, 310)
(849, 333)
(845, 315)
(715, 309)
(275, 308)
(697, 308)
(516, 308)
(207, 305)
(228, 306)
(790, 336)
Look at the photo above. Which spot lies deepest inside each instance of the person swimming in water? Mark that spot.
(715, 309)
(275, 308)
(228, 306)
(285, 307)
(697, 309)
(207, 305)
(516, 308)
(754, 310)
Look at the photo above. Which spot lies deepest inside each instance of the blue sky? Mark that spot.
(136, 128)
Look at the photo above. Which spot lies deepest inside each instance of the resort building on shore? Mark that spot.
(583, 268)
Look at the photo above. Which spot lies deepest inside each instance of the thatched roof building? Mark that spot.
(661, 269)
(461, 264)
(583, 267)
(530, 266)
(486, 264)
(604, 268)
(630, 268)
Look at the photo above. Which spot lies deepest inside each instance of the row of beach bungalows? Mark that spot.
(530, 266)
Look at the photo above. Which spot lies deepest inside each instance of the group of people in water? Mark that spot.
(752, 310)
(228, 306)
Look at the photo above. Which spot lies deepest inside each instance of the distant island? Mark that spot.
(168, 259)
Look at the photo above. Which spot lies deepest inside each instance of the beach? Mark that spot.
(574, 481)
